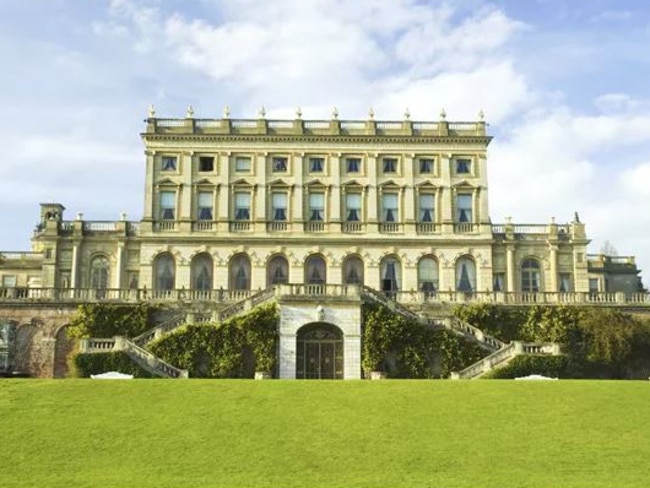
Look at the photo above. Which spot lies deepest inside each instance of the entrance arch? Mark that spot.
(319, 352)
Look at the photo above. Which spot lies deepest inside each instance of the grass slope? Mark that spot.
(199, 433)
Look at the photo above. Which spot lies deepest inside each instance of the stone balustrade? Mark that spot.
(299, 127)
(83, 295)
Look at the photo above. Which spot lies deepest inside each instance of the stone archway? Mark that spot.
(319, 352)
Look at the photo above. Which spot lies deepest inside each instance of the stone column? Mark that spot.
(297, 202)
(74, 283)
(551, 281)
(118, 265)
(335, 192)
(373, 201)
(510, 267)
(222, 212)
(149, 185)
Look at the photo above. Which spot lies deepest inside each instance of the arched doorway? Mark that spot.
(319, 352)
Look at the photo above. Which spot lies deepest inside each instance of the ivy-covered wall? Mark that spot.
(404, 348)
(236, 348)
(598, 342)
(108, 320)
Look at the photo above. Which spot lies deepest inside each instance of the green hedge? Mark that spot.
(552, 366)
(599, 342)
(97, 363)
(235, 349)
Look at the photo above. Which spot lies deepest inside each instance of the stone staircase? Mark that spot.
(500, 353)
(503, 356)
(135, 348)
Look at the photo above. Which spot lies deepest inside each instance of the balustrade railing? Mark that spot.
(90, 226)
(390, 228)
(20, 256)
(277, 226)
(203, 225)
(164, 225)
(465, 228)
(401, 297)
(236, 226)
(426, 228)
(353, 227)
(315, 227)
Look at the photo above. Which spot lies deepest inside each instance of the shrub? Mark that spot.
(87, 364)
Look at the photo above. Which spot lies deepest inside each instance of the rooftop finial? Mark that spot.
(190, 112)
(335, 113)
(298, 113)
(151, 112)
(481, 115)
(226, 112)
(262, 112)
(371, 114)
(407, 114)
(443, 114)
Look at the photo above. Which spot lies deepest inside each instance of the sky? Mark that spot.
(563, 85)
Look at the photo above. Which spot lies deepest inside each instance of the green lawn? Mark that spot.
(231, 433)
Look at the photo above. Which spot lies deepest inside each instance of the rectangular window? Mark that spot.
(316, 165)
(204, 205)
(206, 163)
(9, 281)
(316, 207)
(167, 205)
(593, 285)
(463, 166)
(426, 208)
(565, 283)
(279, 206)
(464, 208)
(169, 163)
(426, 166)
(242, 206)
(279, 164)
(498, 280)
(353, 207)
(353, 165)
(242, 164)
(390, 165)
(389, 207)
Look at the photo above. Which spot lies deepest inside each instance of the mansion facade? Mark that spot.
(317, 215)
(247, 204)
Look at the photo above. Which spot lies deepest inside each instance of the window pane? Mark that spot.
(242, 199)
(316, 200)
(353, 200)
(169, 163)
(242, 164)
(167, 198)
(205, 199)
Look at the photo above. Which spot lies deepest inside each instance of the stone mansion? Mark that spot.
(234, 206)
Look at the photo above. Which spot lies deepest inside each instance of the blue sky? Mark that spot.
(563, 84)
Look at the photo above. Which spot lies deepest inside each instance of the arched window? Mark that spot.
(530, 276)
(99, 271)
(315, 270)
(202, 272)
(428, 275)
(465, 275)
(165, 272)
(390, 272)
(277, 271)
(353, 271)
(240, 272)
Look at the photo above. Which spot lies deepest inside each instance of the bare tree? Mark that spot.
(608, 249)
